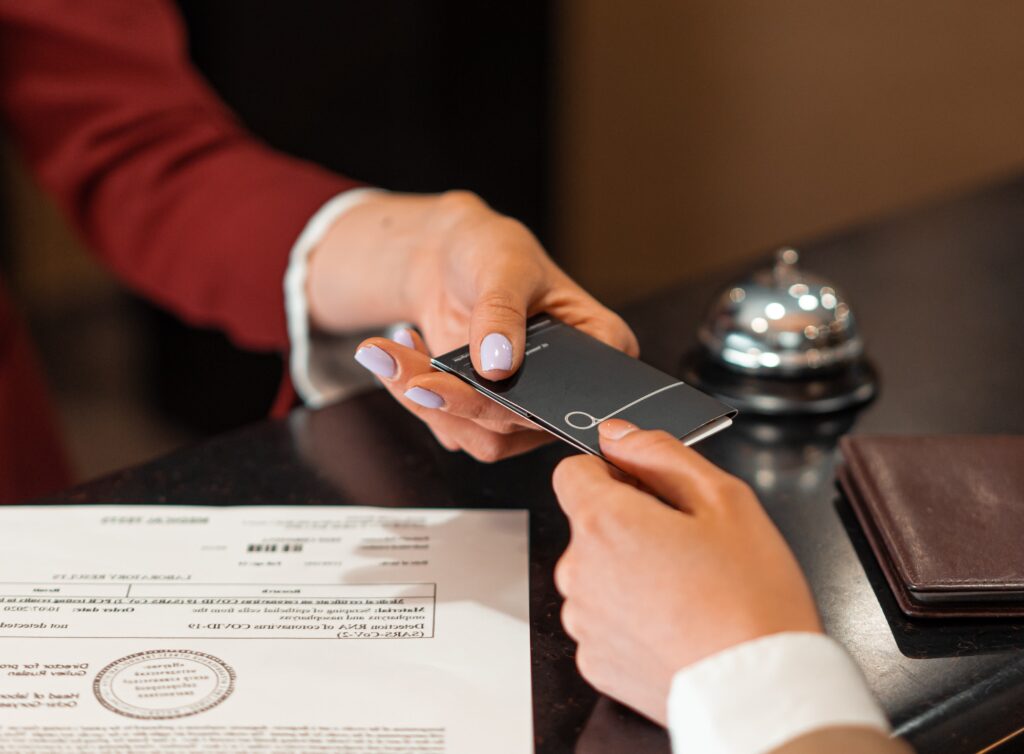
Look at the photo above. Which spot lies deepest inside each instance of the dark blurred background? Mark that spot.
(677, 136)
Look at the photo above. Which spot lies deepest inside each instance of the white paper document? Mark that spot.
(159, 629)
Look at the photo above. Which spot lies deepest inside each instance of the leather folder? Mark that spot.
(945, 518)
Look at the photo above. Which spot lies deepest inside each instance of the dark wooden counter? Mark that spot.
(939, 294)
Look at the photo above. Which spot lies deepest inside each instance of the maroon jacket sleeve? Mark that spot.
(181, 202)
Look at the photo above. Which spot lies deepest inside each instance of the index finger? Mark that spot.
(461, 399)
(581, 481)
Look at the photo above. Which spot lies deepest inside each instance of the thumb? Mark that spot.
(497, 328)
(675, 473)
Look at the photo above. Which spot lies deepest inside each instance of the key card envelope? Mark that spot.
(570, 382)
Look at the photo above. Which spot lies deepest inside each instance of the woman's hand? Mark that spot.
(652, 587)
(462, 273)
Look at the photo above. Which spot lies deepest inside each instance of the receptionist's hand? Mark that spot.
(462, 273)
(651, 587)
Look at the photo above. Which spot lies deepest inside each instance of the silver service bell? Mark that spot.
(782, 341)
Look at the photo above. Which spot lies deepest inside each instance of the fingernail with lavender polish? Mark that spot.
(496, 353)
(376, 360)
(423, 397)
(404, 338)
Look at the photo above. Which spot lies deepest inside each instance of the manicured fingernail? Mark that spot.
(496, 353)
(376, 360)
(423, 397)
(403, 338)
(616, 429)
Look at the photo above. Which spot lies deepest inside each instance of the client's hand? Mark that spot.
(462, 273)
(651, 588)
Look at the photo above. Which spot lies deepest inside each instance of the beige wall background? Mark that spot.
(694, 133)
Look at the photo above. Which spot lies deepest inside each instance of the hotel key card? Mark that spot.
(570, 382)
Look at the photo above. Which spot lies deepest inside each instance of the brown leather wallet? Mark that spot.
(945, 518)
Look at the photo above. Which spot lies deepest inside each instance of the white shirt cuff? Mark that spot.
(321, 365)
(759, 695)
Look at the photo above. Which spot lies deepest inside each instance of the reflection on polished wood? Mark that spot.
(938, 296)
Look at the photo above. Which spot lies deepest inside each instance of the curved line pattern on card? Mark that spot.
(595, 421)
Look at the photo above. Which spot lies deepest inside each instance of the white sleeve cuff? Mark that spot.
(318, 374)
(757, 696)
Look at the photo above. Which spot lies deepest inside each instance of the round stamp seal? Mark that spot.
(164, 683)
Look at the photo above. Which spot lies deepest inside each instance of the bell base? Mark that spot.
(838, 390)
